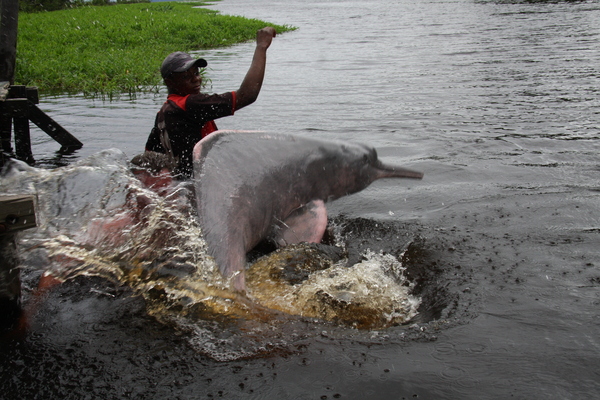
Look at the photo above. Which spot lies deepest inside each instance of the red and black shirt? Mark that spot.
(187, 119)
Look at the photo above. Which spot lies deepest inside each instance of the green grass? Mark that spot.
(110, 50)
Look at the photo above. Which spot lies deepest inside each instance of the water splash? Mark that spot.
(96, 219)
(372, 294)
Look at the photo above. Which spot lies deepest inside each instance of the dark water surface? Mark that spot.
(498, 102)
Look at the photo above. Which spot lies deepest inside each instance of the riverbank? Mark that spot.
(106, 51)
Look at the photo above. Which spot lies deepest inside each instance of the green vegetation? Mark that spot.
(53, 5)
(110, 50)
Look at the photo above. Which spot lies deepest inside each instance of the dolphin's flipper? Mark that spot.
(304, 224)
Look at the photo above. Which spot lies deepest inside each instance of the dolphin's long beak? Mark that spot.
(390, 171)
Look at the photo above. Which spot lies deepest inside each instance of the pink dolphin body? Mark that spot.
(254, 185)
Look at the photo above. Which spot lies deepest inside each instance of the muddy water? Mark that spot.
(496, 101)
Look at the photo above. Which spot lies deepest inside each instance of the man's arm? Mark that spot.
(250, 87)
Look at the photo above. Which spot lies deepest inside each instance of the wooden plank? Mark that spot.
(52, 128)
(17, 212)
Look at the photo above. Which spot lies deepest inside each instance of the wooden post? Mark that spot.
(17, 106)
(16, 213)
(10, 281)
(5, 132)
(20, 108)
(22, 134)
(9, 17)
(18, 103)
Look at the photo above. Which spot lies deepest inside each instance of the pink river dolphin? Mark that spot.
(252, 186)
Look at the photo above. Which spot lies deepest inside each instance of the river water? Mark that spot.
(497, 102)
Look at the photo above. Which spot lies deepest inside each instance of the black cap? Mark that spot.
(180, 62)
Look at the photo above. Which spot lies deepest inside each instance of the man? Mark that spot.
(188, 115)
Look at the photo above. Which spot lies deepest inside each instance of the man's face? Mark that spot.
(184, 83)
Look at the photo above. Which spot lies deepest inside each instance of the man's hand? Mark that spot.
(265, 36)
